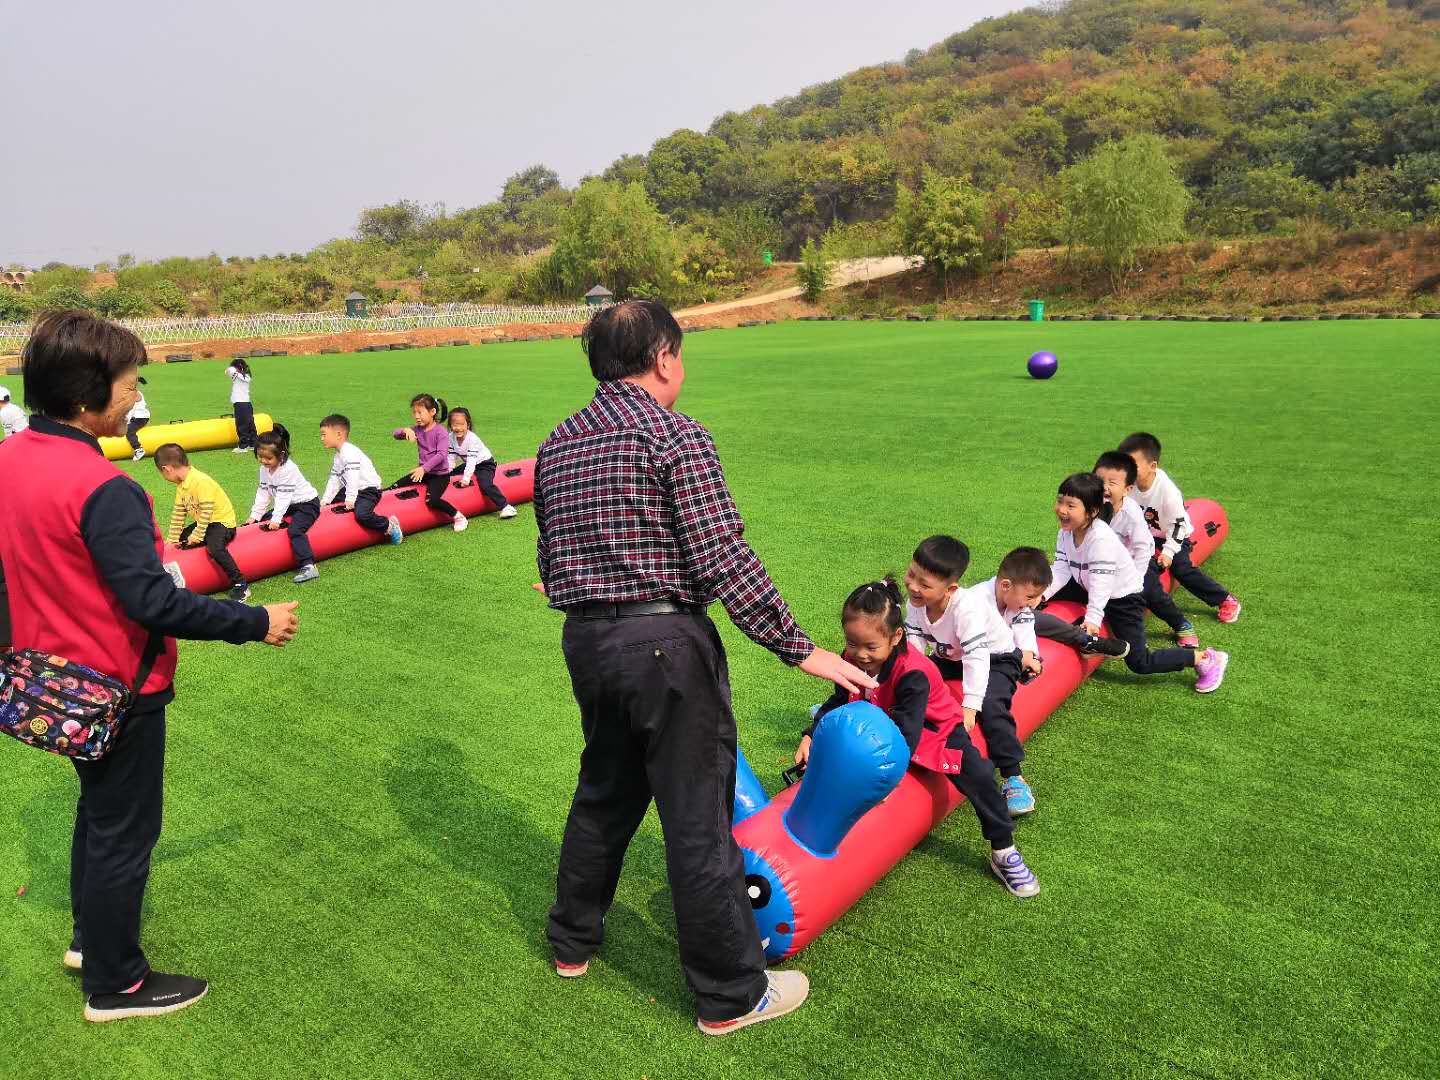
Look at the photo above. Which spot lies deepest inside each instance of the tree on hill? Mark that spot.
(944, 223)
(1124, 197)
(613, 235)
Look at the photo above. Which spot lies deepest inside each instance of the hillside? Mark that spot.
(1317, 115)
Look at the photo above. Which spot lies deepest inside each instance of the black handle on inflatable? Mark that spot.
(792, 775)
(408, 493)
(513, 472)
(1211, 528)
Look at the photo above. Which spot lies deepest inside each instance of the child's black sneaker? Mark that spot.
(1109, 647)
(240, 592)
(158, 994)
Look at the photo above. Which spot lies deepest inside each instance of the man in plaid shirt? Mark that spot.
(638, 533)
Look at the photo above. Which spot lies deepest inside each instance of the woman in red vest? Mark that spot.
(81, 552)
(915, 697)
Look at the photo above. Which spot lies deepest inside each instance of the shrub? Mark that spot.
(813, 273)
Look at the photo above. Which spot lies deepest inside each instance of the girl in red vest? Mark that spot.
(912, 693)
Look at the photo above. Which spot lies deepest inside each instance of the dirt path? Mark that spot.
(845, 273)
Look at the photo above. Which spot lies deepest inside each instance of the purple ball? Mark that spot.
(1042, 365)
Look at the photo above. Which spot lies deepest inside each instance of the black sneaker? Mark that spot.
(1110, 647)
(158, 994)
(240, 592)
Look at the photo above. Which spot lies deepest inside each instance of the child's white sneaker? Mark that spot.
(307, 573)
(138, 454)
(509, 511)
(461, 522)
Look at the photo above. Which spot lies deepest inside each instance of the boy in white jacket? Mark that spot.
(353, 471)
(1164, 509)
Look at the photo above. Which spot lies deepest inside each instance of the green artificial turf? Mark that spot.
(361, 830)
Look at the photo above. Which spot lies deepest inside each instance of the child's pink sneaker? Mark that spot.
(1229, 610)
(1210, 670)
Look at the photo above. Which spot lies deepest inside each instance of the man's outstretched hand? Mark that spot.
(824, 664)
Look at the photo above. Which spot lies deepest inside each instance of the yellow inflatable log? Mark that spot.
(190, 434)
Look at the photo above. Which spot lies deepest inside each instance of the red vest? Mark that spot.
(942, 710)
(59, 603)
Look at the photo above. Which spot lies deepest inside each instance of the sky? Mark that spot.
(162, 128)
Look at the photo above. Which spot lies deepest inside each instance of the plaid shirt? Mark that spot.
(632, 505)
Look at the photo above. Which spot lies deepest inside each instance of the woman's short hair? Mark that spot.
(73, 359)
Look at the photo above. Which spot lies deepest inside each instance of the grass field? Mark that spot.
(361, 830)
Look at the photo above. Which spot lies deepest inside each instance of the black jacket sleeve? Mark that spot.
(834, 701)
(912, 698)
(119, 532)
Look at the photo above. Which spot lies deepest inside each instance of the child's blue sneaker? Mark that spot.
(1010, 868)
(1018, 796)
(394, 533)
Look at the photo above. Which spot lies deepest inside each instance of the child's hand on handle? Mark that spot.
(1030, 662)
(272, 526)
(1093, 630)
(1163, 560)
(462, 482)
(824, 664)
(417, 474)
(283, 623)
(350, 507)
(802, 752)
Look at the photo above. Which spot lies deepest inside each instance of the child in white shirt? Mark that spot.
(135, 419)
(471, 460)
(282, 484)
(1164, 509)
(967, 637)
(239, 374)
(353, 471)
(1092, 567)
(12, 417)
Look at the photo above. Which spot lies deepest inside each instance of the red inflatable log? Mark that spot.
(796, 895)
(261, 554)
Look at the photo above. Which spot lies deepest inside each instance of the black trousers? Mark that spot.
(976, 781)
(1159, 601)
(485, 479)
(1195, 580)
(436, 485)
(365, 500)
(995, 719)
(299, 518)
(117, 821)
(245, 423)
(217, 545)
(1126, 616)
(132, 427)
(654, 697)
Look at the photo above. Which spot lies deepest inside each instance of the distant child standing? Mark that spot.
(914, 696)
(239, 372)
(353, 471)
(12, 417)
(1092, 567)
(201, 502)
(135, 419)
(283, 485)
(1164, 509)
(471, 460)
(969, 639)
(433, 445)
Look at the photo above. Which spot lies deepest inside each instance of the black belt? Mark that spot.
(597, 609)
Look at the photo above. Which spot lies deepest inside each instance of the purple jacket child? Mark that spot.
(433, 444)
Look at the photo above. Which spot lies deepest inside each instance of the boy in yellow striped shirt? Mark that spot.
(209, 510)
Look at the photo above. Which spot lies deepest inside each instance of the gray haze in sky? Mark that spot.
(253, 128)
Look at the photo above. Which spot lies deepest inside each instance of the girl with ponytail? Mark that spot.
(915, 697)
(432, 442)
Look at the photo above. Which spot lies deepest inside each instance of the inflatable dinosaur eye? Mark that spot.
(758, 889)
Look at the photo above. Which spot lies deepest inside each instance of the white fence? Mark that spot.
(163, 331)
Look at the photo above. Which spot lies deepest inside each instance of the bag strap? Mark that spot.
(153, 648)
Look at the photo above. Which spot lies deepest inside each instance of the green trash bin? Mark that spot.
(1037, 310)
(768, 257)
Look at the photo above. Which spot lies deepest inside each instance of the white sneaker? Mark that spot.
(138, 454)
(509, 511)
(786, 993)
(239, 450)
(461, 522)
